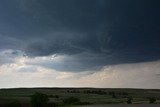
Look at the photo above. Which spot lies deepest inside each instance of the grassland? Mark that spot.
(86, 96)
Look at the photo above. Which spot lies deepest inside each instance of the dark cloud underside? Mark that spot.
(113, 31)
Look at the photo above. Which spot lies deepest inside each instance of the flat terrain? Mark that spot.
(137, 105)
(86, 96)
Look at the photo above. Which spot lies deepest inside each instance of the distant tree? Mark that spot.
(152, 100)
(129, 100)
(39, 100)
(125, 93)
(113, 95)
(88, 91)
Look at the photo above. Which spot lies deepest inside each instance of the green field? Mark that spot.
(85, 95)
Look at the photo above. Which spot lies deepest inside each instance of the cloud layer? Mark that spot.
(77, 41)
(22, 74)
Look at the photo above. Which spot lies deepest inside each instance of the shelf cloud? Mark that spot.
(78, 36)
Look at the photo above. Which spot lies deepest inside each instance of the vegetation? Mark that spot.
(39, 100)
(12, 103)
(71, 100)
(129, 100)
(152, 100)
(55, 97)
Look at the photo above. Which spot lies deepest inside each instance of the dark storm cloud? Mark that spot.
(120, 31)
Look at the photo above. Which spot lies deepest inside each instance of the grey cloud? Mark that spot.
(9, 56)
(9, 42)
(158, 75)
(114, 31)
(71, 63)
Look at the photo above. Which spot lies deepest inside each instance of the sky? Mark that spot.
(80, 43)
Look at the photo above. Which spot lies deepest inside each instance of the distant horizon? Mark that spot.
(77, 88)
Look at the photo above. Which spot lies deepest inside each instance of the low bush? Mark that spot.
(39, 100)
(152, 100)
(129, 100)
